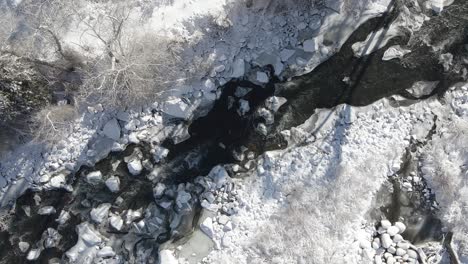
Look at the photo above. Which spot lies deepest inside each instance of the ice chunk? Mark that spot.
(88, 238)
(262, 129)
(113, 183)
(176, 107)
(310, 45)
(267, 115)
(52, 238)
(46, 210)
(94, 177)
(135, 167)
(207, 227)
(244, 107)
(262, 77)
(238, 68)
(106, 252)
(112, 129)
(23, 246)
(219, 176)
(160, 153)
(158, 190)
(99, 213)
(274, 103)
(183, 199)
(57, 181)
(286, 54)
(33, 254)
(395, 52)
(116, 222)
(63, 217)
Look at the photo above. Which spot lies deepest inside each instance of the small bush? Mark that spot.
(52, 122)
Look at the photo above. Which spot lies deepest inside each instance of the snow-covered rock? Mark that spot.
(160, 153)
(116, 222)
(86, 246)
(386, 240)
(106, 252)
(94, 177)
(113, 183)
(63, 217)
(219, 176)
(385, 224)
(100, 213)
(33, 254)
(23, 246)
(393, 230)
(51, 238)
(58, 181)
(395, 52)
(401, 227)
(207, 227)
(135, 167)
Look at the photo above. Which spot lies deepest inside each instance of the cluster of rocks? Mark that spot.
(390, 247)
(267, 112)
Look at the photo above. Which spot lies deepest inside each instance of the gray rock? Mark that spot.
(112, 129)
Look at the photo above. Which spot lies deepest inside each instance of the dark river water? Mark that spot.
(215, 136)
